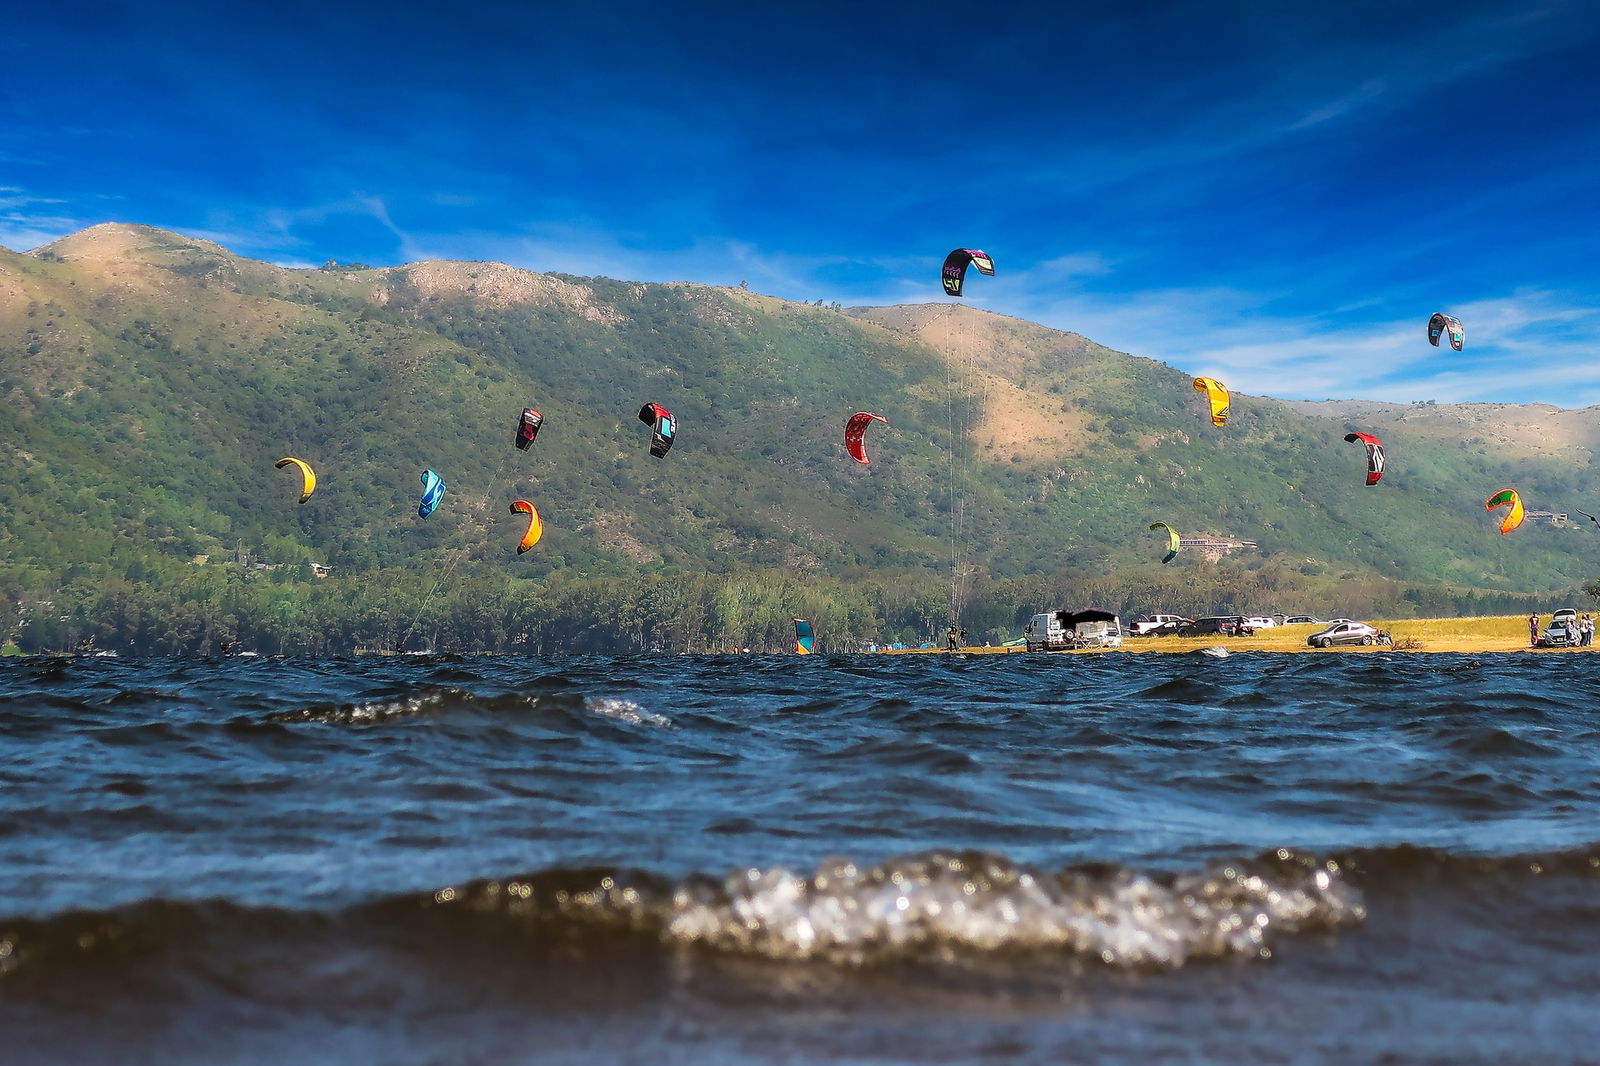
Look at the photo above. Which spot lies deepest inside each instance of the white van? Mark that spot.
(1059, 630)
(1046, 633)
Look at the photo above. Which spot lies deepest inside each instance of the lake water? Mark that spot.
(1115, 858)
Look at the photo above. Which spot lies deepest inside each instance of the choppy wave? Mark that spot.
(949, 906)
(215, 847)
(444, 701)
(946, 905)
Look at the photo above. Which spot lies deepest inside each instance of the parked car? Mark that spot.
(1145, 625)
(1561, 633)
(1302, 620)
(1261, 622)
(1203, 627)
(1346, 633)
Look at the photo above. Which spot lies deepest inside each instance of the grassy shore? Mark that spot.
(1502, 633)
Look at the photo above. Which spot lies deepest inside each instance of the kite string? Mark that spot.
(458, 556)
(427, 597)
(958, 505)
(950, 419)
(963, 451)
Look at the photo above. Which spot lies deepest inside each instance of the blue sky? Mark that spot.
(1277, 198)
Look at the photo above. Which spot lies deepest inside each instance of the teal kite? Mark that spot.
(432, 493)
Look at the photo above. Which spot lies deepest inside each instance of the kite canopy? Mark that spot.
(1217, 396)
(660, 421)
(535, 529)
(855, 432)
(308, 480)
(1439, 323)
(1173, 540)
(955, 267)
(528, 428)
(432, 493)
(1507, 498)
(804, 638)
(1374, 454)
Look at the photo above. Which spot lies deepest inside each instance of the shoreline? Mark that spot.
(1507, 633)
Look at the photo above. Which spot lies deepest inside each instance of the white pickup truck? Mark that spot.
(1142, 627)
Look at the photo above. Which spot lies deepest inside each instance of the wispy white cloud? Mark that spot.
(1364, 95)
(296, 235)
(1065, 267)
(1183, 157)
(23, 234)
(28, 221)
(1396, 71)
(26, 235)
(1522, 347)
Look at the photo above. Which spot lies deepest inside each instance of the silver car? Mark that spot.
(1345, 633)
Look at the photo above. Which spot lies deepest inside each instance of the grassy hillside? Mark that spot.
(151, 380)
(1128, 444)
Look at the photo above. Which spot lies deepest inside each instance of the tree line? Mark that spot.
(194, 609)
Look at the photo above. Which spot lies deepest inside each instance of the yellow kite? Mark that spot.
(1504, 498)
(308, 480)
(535, 529)
(1218, 397)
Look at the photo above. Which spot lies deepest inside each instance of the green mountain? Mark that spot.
(152, 380)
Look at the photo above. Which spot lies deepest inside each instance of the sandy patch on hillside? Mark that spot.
(1512, 430)
(496, 285)
(1031, 426)
(986, 355)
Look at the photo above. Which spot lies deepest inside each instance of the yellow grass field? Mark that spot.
(1503, 633)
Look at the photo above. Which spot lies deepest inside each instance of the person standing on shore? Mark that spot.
(1533, 630)
(1586, 631)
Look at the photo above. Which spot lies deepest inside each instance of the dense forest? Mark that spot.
(151, 381)
(480, 610)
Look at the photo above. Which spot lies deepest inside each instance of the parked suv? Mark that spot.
(1203, 627)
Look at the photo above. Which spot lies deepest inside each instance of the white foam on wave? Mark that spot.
(948, 905)
(385, 710)
(625, 711)
(371, 712)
